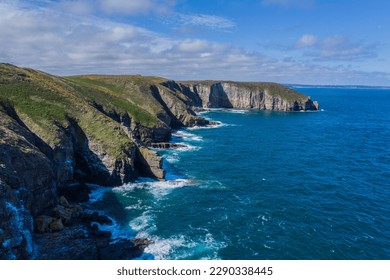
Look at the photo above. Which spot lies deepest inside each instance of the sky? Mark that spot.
(315, 42)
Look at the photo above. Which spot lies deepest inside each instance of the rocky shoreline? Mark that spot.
(58, 133)
(70, 231)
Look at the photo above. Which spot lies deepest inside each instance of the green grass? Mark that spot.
(45, 103)
(114, 97)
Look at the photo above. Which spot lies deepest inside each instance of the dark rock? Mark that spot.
(64, 202)
(166, 145)
(72, 243)
(311, 105)
(141, 243)
(65, 214)
(75, 192)
(56, 225)
(96, 217)
(42, 223)
(122, 249)
(102, 233)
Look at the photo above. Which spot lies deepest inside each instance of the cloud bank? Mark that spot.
(79, 42)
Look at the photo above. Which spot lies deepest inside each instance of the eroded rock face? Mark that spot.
(150, 163)
(263, 96)
(176, 104)
(27, 187)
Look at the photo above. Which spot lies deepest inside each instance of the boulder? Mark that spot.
(56, 225)
(62, 213)
(42, 223)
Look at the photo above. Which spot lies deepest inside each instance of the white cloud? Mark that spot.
(306, 41)
(191, 45)
(78, 7)
(113, 7)
(339, 47)
(50, 40)
(210, 21)
(131, 7)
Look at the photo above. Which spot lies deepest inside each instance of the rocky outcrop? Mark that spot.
(177, 105)
(150, 163)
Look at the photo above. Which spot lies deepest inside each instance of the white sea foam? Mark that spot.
(159, 189)
(97, 192)
(205, 127)
(218, 125)
(175, 247)
(182, 246)
(211, 184)
(161, 248)
(172, 157)
(138, 206)
(185, 135)
(187, 147)
(236, 111)
(144, 223)
(118, 231)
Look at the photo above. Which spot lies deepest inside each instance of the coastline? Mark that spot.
(136, 228)
(67, 131)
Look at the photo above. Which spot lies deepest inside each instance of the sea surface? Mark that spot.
(269, 185)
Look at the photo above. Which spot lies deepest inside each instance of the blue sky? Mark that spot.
(288, 41)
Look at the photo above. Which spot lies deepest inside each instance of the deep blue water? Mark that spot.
(272, 185)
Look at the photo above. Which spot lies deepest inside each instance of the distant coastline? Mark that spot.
(336, 86)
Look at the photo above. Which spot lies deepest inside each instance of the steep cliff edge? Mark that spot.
(246, 95)
(27, 187)
(58, 132)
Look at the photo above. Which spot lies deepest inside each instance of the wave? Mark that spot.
(137, 206)
(117, 230)
(187, 136)
(236, 111)
(178, 246)
(158, 189)
(144, 223)
(187, 147)
(97, 192)
(172, 157)
(215, 124)
(174, 247)
(218, 125)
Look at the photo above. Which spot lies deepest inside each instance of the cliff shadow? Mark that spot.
(218, 97)
(174, 122)
(88, 166)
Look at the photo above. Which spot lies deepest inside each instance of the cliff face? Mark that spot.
(58, 132)
(27, 187)
(262, 96)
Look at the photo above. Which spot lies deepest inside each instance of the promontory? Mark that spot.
(59, 134)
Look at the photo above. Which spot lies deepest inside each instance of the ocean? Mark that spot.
(269, 185)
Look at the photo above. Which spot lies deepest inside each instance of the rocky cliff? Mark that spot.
(57, 133)
(246, 95)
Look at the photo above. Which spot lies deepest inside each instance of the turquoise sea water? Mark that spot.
(271, 185)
